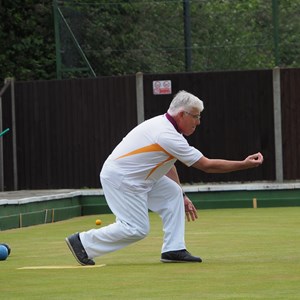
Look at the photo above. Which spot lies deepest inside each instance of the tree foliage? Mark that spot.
(27, 49)
(127, 36)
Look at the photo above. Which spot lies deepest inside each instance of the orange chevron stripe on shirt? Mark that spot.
(150, 148)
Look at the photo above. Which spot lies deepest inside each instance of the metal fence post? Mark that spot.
(14, 133)
(57, 41)
(275, 17)
(6, 85)
(1, 152)
(187, 35)
(9, 82)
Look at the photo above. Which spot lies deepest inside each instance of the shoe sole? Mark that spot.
(73, 252)
(178, 261)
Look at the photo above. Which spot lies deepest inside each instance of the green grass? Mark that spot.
(247, 253)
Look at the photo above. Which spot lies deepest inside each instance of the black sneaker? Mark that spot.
(179, 256)
(75, 245)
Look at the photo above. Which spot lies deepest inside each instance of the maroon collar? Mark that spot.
(171, 119)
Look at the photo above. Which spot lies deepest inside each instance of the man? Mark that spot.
(140, 174)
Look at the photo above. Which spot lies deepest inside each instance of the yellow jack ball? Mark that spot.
(98, 222)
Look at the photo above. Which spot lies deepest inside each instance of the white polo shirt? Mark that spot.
(146, 154)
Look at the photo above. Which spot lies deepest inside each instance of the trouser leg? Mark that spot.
(166, 199)
(132, 223)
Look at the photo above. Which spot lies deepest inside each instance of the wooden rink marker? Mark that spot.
(254, 200)
(46, 216)
(53, 215)
(20, 221)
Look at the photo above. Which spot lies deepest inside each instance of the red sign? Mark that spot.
(162, 87)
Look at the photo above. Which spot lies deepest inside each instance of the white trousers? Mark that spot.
(132, 219)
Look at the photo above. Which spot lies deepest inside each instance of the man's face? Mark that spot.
(188, 121)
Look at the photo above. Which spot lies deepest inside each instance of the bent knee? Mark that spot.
(140, 233)
(136, 233)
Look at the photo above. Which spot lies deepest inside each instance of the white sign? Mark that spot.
(162, 87)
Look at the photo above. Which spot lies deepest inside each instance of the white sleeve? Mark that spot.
(175, 144)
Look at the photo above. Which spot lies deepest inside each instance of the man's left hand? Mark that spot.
(190, 210)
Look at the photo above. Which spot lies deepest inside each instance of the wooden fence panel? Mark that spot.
(237, 119)
(67, 128)
(290, 115)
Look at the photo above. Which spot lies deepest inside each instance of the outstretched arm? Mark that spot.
(225, 166)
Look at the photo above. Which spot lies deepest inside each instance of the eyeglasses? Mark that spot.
(196, 117)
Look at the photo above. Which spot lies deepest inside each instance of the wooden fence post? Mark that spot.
(277, 124)
(140, 97)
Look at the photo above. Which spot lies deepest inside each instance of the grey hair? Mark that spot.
(184, 100)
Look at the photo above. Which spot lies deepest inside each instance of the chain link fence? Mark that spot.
(95, 38)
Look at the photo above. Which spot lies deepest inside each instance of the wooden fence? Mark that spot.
(65, 129)
(290, 108)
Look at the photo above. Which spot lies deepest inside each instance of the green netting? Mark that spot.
(125, 37)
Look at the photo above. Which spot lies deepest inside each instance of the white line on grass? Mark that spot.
(59, 267)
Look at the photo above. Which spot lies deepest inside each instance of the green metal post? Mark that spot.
(57, 40)
(275, 17)
(187, 35)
